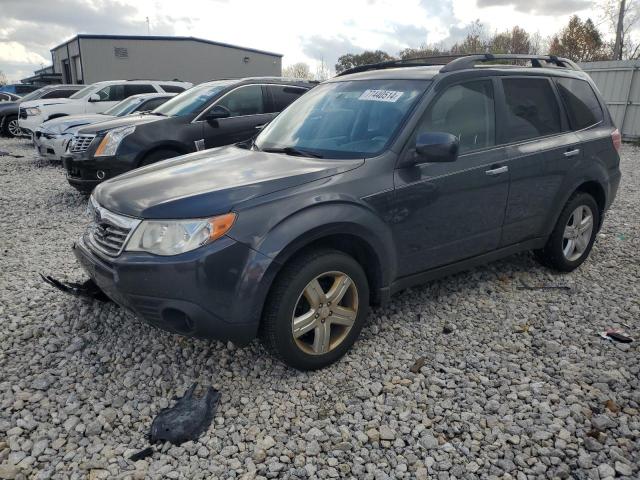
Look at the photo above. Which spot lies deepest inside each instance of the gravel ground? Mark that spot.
(521, 386)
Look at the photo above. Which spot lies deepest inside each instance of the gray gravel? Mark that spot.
(521, 387)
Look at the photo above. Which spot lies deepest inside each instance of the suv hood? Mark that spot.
(121, 122)
(211, 182)
(59, 125)
(52, 101)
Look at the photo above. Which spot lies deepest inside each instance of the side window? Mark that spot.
(245, 100)
(151, 104)
(532, 109)
(172, 88)
(467, 111)
(112, 93)
(580, 101)
(4, 97)
(284, 95)
(137, 88)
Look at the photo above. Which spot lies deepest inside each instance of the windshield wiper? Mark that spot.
(293, 151)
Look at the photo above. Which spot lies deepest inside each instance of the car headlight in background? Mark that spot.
(171, 237)
(111, 141)
(32, 111)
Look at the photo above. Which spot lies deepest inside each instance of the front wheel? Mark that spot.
(316, 309)
(11, 127)
(573, 236)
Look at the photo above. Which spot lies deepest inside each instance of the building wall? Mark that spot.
(185, 60)
(67, 52)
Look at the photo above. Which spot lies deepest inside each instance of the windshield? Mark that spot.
(126, 106)
(193, 100)
(350, 119)
(82, 92)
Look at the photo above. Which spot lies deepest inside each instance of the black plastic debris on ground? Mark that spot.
(142, 454)
(86, 289)
(189, 418)
(616, 335)
(4, 153)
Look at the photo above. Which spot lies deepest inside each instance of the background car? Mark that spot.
(208, 115)
(94, 98)
(9, 97)
(53, 136)
(9, 110)
(18, 88)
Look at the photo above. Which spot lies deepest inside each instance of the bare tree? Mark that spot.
(3, 78)
(629, 35)
(297, 70)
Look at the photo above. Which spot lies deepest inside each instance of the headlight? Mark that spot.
(111, 141)
(171, 237)
(32, 111)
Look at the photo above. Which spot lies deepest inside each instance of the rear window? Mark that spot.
(284, 95)
(532, 109)
(172, 88)
(580, 101)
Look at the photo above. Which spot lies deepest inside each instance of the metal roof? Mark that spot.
(165, 38)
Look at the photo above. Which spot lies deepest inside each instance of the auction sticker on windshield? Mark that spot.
(380, 95)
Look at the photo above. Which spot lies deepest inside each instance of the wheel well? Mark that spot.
(353, 246)
(158, 149)
(597, 192)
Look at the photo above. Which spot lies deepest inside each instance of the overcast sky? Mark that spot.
(301, 30)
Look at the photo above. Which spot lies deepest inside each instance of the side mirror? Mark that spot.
(436, 147)
(218, 112)
(94, 97)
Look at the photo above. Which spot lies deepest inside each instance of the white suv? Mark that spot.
(95, 98)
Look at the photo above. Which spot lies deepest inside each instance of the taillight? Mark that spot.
(616, 138)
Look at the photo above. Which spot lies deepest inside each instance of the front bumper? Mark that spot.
(30, 123)
(50, 145)
(85, 172)
(214, 291)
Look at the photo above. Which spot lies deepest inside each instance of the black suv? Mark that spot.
(208, 115)
(372, 182)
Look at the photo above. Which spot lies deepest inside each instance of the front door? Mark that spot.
(247, 107)
(108, 97)
(447, 212)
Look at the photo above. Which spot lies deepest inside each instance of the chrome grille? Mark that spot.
(108, 232)
(80, 143)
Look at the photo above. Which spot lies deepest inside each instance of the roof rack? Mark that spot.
(412, 62)
(469, 61)
(454, 63)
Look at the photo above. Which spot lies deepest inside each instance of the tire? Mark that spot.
(290, 295)
(10, 127)
(158, 155)
(558, 253)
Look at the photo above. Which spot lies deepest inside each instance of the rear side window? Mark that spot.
(59, 94)
(172, 88)
(137, 88)
(467, 111)
(532, 109)
(580, 101)
(242, 101)
(112, 93)
(284, 95)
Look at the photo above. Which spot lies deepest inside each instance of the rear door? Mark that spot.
(248, 106)
(451, 211)
(281, 96)
(541, 149)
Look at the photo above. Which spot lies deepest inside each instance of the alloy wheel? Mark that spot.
(325, 312)
(14, 128)
(577, 233)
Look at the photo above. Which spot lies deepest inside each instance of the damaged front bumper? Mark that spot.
(202, 293)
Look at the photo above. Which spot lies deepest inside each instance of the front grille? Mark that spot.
(80, 143)
(22, 113)
(108, 231)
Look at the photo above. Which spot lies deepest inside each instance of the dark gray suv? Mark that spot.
(384, 177)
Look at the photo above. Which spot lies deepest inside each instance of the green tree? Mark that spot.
(579, 41)
(351, 60)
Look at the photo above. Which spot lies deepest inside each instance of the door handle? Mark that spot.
(497, 171)
(572, 153)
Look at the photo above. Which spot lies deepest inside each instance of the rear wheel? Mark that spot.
(316, 309)
(158, 155)
(574, 234)
(11, 127)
